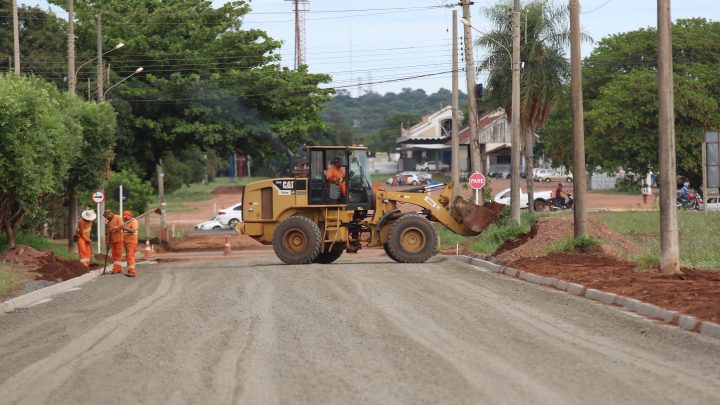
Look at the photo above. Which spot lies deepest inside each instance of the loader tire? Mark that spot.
(297, 240)
(328, 257)
(411, 239)
(389, 253)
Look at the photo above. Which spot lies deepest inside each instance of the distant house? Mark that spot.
(430, 140)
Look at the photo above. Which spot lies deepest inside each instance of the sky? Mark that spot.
(384, 45)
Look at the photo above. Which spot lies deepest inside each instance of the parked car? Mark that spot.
(231, 215)
(405, 178)
(211, 224)
(712, 204)
(432, 166)
(540, 197)
(549, 175)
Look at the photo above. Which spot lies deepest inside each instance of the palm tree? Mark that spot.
(544, 38)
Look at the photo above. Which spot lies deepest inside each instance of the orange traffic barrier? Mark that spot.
(226, 249)
(148, 250)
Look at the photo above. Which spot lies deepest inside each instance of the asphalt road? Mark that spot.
(364, 330)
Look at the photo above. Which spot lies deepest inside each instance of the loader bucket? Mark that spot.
(475, 217)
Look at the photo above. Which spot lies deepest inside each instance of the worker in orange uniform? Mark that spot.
(336, 175)
(115, 238)
(82, 237)
(130, 235)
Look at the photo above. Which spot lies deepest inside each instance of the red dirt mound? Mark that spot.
(26, 255)
(58, 270)
(693, 292)
(228, 190)
(212, 242)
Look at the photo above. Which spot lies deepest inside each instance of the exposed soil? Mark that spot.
(552, 229)
(228, 190)
(43, 264)
(693, 292)
(213, 242)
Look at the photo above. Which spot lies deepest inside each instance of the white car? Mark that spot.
(541, 197)
(231, 215)
(404, 179)
(432, 166)
(213, 224)
(712, 204)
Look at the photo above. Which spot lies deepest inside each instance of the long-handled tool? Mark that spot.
(107, 251)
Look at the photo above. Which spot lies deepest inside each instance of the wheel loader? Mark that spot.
(309, 219)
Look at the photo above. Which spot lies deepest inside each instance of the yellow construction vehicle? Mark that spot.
(309, 218)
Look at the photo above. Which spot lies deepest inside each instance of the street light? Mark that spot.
(138, 70)
(118, 46)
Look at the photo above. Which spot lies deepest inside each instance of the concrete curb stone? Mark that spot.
(602, 296)
(710, 328)
(576, 289)
(510, 272)
(561, 284)
(687, 322)
(495, 268)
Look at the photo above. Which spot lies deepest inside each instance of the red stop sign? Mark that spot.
(477, 181)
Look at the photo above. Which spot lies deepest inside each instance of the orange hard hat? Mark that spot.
(127, 214)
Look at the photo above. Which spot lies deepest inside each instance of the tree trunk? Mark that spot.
(10, 233)
(529, 165)
(71, 218)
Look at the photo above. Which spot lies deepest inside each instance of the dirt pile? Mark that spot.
(552, 229)
(44, 262)
(26, 255)
(693, 292)
(228, 190)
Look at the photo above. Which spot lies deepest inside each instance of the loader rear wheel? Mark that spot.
(297, 240)
(411, 239)
(328, 257)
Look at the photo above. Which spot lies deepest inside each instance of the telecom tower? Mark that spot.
(300, 7)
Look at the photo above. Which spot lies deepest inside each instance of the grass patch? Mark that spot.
(573, 245)
(699, 236)
(491, 238)
(9, 281)
(646, 262)
(614, 191)
(38, 243)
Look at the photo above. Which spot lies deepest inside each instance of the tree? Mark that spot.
(207, 82)
(544, 38)
(620, 91)
(38, 145)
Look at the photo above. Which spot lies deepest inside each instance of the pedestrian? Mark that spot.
(115, 238)
(646, 190)
(82, 236)
(130, 236)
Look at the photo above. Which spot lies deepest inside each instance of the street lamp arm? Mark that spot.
(138, 70)
(118, 46)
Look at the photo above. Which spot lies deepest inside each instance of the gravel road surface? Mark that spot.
(363, 330)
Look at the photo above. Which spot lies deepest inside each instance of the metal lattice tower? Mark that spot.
(300, 8)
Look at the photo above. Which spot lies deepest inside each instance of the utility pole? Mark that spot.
(100, 79)
(161, 193)
(455, 142)
(669, 245)
(16, 37)
(579, 177)
(472, 98)
(515, 119)
(72, 79)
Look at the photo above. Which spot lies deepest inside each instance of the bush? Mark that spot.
(574, 245)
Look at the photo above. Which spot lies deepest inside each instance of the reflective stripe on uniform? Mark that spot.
(130, 232)
(85, 260)
(132, 266)
(118, 263)
(86, 230)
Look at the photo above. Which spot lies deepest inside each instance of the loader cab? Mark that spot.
(355, 192)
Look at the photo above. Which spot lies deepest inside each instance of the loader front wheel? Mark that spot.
(297, 240)
(411, 239)
(328, 257)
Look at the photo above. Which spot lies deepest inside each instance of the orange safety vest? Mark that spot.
(131, 236)
(83, 230)
(115, 233)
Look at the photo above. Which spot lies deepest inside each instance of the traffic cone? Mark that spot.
(148, 250)
(226, 249)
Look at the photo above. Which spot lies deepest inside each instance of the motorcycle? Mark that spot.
(554, 205)
(693, 202)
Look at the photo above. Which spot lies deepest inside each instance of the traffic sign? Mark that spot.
(476, 181)
(98, 197)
